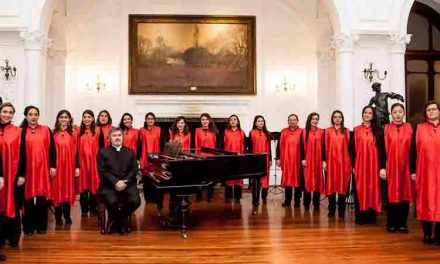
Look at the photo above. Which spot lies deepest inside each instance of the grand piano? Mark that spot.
(187, 173)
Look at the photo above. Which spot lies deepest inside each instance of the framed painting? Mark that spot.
(181, 54)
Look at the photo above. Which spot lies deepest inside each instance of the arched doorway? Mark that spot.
(422, 60)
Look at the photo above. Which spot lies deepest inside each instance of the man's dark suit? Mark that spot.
(113, 166)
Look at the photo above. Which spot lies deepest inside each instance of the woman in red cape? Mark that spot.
(180, 131)
(259, 142)
(312, 158)
(338, 163)
(397, 137)
(89, 142)
(206, 136)
(234, 140)
(10, 137)
(104, 122)
(131, 135)
(37, 164)
(289, 159)
(63, 184)
(427, 172)
(365, 148)
(150, 137)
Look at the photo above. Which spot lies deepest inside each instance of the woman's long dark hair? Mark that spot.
(82, 128)
(174, 128)
(24, 124)
(343, 128)
(265, 131)
(121, 123)
(211, 127)
(309, 123)
(151, 114)
(426, 106)
(374, 122)
(228, 126)
(57, 126)
(98, 123)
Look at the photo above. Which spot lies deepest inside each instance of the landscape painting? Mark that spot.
(174, 54)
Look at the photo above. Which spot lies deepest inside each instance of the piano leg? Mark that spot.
(255, 195)
(184, 208)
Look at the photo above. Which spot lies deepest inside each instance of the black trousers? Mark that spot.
(397, 214)
(308, 199)
(10, 229)
(63, 209)
(35, 214)
(339, 200)
(427, 229)
(233, 192)
(121, 204)
(368, 216)
(290, 191)
(88, 202)
(264, 193)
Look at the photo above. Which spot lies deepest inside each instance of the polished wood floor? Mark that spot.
(223, 233)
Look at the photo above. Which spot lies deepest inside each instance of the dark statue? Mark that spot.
(380, 103)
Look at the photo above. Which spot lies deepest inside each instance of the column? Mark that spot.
(344, 45)
(398, 44)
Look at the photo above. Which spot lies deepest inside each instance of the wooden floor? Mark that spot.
(229, 234)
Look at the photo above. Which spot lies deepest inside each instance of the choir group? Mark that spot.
(41, 166)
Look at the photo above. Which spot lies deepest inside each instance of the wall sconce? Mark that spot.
(9, 71)
(369, 73)
(99, 85)
(285, 86)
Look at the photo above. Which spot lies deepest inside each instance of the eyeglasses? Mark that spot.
(431, 109)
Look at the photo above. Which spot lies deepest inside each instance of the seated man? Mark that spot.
(117, 168)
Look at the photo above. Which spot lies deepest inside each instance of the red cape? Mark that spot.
(261, 144)
(290, 156)
(105, 130)
(131, 138)
(37, 162)
(313, 176)
(428, 172)
(205, 138)
(63, 184)
(397, 145)
(150, 141)
(366, 169)
(10, 153)
(234, 141)
(88, 146)
(338, 161)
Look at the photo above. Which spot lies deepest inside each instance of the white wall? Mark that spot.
(97, 39)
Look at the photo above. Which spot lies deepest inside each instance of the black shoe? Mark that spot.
(122, 230)
(237, 201)
(427, 240)
(28, 233)
(331, 213)
(227, 200)
(316, 208)
(296, 205)
(3, 257)
(93, 213)
(359, 222)
(68, 221)
(84, 214)
(41, 232)
(58, 221)
(264, 201)
(111, 227)
(403, 229)
(286, 204)
(306, 207)
(13, 244)
(341, 214)
(391, 229)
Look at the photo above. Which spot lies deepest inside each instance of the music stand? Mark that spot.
(275, 189)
